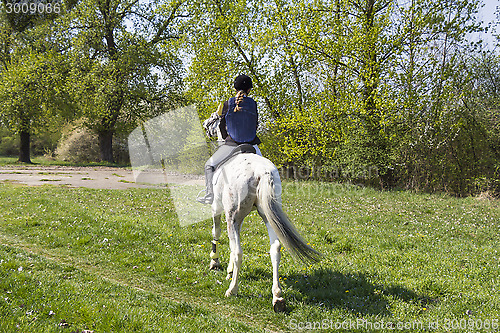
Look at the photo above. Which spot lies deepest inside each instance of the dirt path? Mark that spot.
(91, 177)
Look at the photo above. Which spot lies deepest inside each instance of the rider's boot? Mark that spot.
(209, 195)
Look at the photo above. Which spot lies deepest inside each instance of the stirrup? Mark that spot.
(207, 200)
(199, 198)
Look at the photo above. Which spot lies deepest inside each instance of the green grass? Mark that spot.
(117, 260)
(44, 161)
(8, 160)
(40, 295)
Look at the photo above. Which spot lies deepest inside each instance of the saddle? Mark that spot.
(244, 148)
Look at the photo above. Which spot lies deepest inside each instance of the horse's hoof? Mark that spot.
(215, 265)
(231, 292)
(279, 305)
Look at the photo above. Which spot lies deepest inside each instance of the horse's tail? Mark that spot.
(269, 191)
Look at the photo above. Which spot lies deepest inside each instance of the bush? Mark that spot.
(81, 145)
(9, 146)
(78, 146)
(42, 143)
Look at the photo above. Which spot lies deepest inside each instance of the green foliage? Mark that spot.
(26, 17)
(32, 70)
(32, 83)
(349, 85)
(354, 85)
(9, 144)
(440, 141)
(307, 139)
(45, 143)
(122, 76)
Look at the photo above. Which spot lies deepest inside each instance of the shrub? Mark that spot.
(78, 146)
(81, 145)
(9, 146)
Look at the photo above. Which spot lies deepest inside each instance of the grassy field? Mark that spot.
(47, 161)
(76, 260)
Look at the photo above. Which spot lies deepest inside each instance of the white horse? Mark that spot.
(244, 183)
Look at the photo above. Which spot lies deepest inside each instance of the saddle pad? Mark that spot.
(240, 149)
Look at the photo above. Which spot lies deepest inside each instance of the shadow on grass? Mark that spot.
(352, 292)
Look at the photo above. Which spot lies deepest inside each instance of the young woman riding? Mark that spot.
(238, 126)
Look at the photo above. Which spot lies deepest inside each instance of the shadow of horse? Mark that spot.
(352, 292)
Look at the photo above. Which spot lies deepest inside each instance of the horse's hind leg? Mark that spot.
(275, 253)
(233, 230)
(214, 255)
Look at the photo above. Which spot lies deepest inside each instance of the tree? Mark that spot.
(349, 84)
(345, 49)
(221, 42)
(121, 74)
(32, 75)
(478, 142)
(372, 48)
(227, 38)
(430, 80)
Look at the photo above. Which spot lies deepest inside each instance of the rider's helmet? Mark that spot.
(243, 82)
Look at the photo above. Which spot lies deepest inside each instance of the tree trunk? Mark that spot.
(24, 147)
(106, 146)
